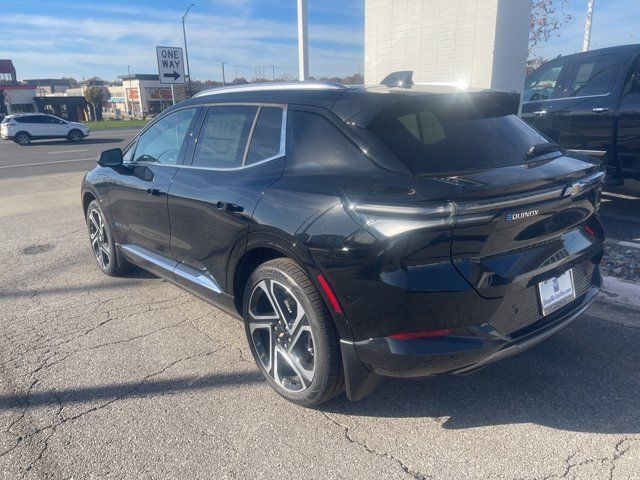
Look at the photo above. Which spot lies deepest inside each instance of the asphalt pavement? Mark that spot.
(132, 377)
(58, 156)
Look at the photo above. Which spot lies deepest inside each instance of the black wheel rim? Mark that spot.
(281, 336)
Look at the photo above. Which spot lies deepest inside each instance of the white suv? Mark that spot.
(23, 128)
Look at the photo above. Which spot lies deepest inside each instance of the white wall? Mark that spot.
(483, 42)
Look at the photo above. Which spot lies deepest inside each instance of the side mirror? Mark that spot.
(110, 158)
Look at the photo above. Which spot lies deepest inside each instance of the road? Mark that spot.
(58, 156)
(133, 378)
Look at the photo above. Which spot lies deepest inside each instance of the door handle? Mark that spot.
(229, 207)
(540, 113)
(600, 109)
(155, 192)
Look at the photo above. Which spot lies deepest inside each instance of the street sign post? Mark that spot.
(170, 65)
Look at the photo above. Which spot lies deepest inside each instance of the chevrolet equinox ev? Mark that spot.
(395, 230)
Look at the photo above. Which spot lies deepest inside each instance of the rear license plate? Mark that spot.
(556, 292)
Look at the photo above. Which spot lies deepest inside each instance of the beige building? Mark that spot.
(138, 95)
(143, 94)
(482, 43)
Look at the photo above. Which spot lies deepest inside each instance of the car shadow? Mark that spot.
(585, 379)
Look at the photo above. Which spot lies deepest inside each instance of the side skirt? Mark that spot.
(198, 282)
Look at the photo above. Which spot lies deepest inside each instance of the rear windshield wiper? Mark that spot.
(542, 149)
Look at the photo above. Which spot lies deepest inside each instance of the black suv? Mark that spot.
(590, 103)
(361, 232)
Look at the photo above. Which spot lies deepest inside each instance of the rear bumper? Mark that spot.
(465, 350)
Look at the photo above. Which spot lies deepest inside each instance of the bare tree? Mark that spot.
(547, 18)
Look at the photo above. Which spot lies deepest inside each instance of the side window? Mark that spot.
(543, 84)
(267, 135)
(317, 145)
(162, 142)
(634, 80)
(223, 138)
(127, 156)
(593, 76)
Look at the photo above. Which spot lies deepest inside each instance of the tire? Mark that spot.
(22, 138)
(75, 136)
(102, 243)
(293, 341)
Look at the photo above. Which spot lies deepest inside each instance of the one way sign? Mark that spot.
(170, 64)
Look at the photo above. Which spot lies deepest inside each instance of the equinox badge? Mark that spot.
(519, 215)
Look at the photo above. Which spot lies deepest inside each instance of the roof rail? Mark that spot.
(402, 78)
(267, 86)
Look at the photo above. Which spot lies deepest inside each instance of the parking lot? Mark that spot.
(133, 378)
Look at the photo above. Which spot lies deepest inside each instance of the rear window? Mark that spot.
(454, 134)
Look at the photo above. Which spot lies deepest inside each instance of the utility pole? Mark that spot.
(303, 48)
(273, 72)
(223, 79)
(186, 52)
(587, 26)
(126, 93)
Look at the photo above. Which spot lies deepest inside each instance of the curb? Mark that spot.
(618, 303)
(620, 292)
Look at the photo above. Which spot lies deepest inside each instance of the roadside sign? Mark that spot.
(170, 64)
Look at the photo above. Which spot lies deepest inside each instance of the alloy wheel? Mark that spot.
(99, 238)
(22, 139)
(282, 336)
(75, 136)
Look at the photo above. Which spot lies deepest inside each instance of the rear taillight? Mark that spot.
(421, 334)
(388, 220)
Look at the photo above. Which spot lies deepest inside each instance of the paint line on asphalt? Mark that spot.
(68, 151)
(623, 243)
(47, 163)
(620, 195)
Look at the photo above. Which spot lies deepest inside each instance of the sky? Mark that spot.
(84, 38)
(615, 22)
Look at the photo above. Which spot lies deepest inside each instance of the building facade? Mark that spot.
(481, 43)
(47, 86)
(17, 99)
(143, 94)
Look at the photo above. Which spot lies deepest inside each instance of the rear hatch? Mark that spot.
(521, 212)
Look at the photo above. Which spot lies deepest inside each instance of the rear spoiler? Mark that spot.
(503, 103)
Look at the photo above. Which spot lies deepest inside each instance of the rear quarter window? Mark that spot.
(454, 134)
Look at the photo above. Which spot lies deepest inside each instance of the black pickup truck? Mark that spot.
(590, 103)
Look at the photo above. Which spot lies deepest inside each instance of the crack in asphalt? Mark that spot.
(618, 452)
(110, 318)
(64, 420)
(405, 468)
